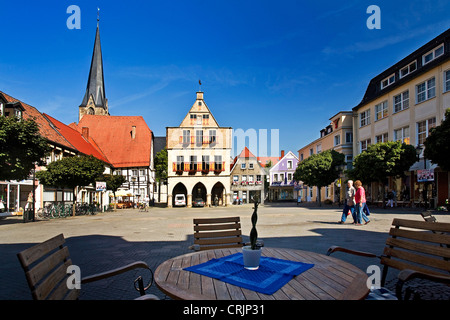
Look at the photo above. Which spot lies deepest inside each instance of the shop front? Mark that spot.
(14, 196)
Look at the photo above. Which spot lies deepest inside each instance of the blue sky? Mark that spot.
(286, 65)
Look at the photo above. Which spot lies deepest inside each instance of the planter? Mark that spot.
(251, 257)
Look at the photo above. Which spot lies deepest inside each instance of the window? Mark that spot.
(142, 172)
(275, 177)
(349, 161)
(382, 138)
(364, 118)
(250, 165)
(218, 163)
(401, 101)
(408, 69)
(180, 163)
(447, 81)
(319, 148)
(235, 178)
(337, 140)
(193, 118)
(311, 151)
(250, 179)
(199, 137)
(426, 90)
(381, 110)
(134, 172)
(433, 54)
(289, 164)
(205, 119)
(365, 144)
(388, 81)
(205, 162)
(289, 176)
(212, 136)
(193, 163)
(243, 166)
(423, 129)
(348, 137)
(186, 136)
(1, 109)
(258, 178)
(402, 134)
(301, 157)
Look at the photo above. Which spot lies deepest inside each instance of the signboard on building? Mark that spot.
(425, 175)
(100, 186)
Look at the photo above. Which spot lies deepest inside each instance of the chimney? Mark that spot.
(133, 132)
(282, 153)
(85, 132)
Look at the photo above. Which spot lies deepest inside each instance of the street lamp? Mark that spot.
(419, 150)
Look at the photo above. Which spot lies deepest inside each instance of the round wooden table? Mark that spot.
(329, 279)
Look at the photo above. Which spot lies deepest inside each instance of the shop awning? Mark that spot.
(122, 193)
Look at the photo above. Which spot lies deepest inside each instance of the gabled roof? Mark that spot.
(199, 108)
(83, 145)
(290, 154)
(45, 128)
(114, 136)
(245, 153)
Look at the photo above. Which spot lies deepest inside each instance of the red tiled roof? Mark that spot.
(113, 136)
(86, 146)
(245, 153)
(264, 160)
(45, 128)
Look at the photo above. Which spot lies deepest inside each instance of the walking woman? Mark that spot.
(360, 198)
(349, 202)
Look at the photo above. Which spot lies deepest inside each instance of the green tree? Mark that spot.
(437, 146)
(21, 146)
(382, 160)
(320, 169)
(161, 167)
(72, 172)
(113, 183)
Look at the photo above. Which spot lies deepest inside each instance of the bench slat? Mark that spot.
(421, 235)
(421, 247)
(417, 258)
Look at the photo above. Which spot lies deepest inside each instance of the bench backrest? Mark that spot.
(217, 233)
(45, 266)
(418, 245)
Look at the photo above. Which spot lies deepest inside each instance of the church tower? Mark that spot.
(94, 101)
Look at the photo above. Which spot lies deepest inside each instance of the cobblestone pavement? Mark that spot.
(108, 240)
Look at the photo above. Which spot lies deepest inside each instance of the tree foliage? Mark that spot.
(21, 146)
(161, 165)
(382, 160)
(437, 144)
(320, 169)
(71, 172)
(113, 183)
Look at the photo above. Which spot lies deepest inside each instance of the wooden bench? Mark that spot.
(427, 216)
(46, 266)
(415, 248)
(217, 233)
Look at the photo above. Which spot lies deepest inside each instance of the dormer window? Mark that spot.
(433, 54)
(388, 81)
(408, 69)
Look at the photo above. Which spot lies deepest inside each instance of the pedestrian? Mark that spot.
(29, 201)
(349, 204)
(360, 199)
(390, 197)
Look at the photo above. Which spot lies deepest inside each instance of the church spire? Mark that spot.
(96, 84)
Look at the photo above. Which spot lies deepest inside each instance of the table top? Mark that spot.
(329, 279)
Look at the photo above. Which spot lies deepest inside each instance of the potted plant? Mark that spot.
(252, 253)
